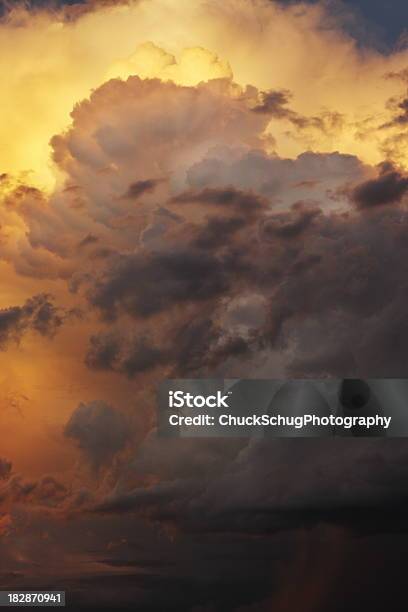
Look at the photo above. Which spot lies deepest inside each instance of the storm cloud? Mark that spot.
(211, 216)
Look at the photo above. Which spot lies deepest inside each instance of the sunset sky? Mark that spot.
(197, 188)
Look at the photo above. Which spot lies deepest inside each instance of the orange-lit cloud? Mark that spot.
(48, 64)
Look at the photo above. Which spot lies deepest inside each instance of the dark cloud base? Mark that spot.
(324, 569)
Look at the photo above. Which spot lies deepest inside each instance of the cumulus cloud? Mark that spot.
(172, 209)
(175, 121)
(163, 258)
(204, 48)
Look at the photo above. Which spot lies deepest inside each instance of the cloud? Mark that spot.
(186, 348)
(290, 225)
(104, 155)
(315, 50)
(251, 493)
(238, 221)
(136, 112)
(337, 290)
(5, 524)
(163, 493)
(389, 187)
(46, 492)
(400, 107)
(207, 227)
(273, 102)
(139, 188)
(217, 230)
(309, 176)
(99, 431)
(163, 280)
(320, 272)
(5, 469)
(188, 458)
(38, 314)
(89, 239)
(193, 65)
(130, 357)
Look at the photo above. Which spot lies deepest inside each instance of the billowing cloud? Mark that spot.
(237, 221)
(318, 63)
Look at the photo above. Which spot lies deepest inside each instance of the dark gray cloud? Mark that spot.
(223, 198)
(163, 495)
(111, 351)
(38, 313)
(188, 346)
(389, 187)
(273, 103)
(103, 351)
(89, 239)
(332, 282)
(340, 301)
(140, 188)
(400, 110)
(99, 431)
(249, 493)
(290, 224)
(143, 285)
(217, 230)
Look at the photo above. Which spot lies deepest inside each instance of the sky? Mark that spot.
(196, 189)
(379, 23)
(389, 17)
